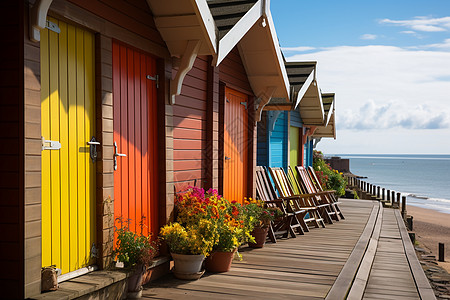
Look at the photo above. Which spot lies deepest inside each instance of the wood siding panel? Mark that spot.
(232, 73)
(278, 143)
(124, 15)
(189, 127)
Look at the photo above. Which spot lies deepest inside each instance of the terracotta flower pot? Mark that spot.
(219, 261)
(260, 235)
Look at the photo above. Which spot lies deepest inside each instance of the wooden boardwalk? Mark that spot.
(390, 275)
(321, 264)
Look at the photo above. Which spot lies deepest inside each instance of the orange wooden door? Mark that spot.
(135, 135)
(235, 146)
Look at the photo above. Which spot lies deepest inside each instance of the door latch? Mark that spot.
(154, 78)
(116, 154)
(93, 148)
(227, 158)
(50, 145)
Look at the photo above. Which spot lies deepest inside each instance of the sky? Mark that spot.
(388, 63)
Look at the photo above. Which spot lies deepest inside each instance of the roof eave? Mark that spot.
(180, 22)
(328, 131)
(258, 45)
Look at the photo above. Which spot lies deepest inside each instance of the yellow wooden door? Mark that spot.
(68, 173)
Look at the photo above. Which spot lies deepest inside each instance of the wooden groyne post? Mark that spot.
(404, 207)
(441, 252)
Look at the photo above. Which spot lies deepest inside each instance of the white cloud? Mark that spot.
(297, 49)
(442, 46)
(386, 89)
(368, 36)
(426, 24)
(408, 32)
(372, 115)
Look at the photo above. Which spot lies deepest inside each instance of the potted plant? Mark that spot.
(235, 227)
(189, 246)
(263, 216)
(136, 252)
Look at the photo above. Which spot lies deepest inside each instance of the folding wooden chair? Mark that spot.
(299, 201)
(299, 188)
(323, 197)
(289, 223)
(331, 193)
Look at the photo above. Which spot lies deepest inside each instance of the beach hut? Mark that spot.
(284, 133)
(121, 103)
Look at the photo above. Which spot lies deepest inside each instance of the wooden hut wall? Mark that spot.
(130, 22)
(232, 74)
(189, 128)
(279, 142)
(12, 150)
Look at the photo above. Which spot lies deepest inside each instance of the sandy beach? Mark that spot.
(431, 228)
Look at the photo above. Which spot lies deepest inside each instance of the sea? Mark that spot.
(424, 179)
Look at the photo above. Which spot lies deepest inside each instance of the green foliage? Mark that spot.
(329, 179)
(132, 248)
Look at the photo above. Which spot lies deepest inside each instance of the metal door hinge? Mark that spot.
(54, 145)
(52, 26)
(154, 78)
(245, 104)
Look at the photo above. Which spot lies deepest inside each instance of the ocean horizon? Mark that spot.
(423, 178)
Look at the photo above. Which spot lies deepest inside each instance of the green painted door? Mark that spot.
(294, 138)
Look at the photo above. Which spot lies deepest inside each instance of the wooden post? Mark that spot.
(398, 200)
(403, 207)
(382, 193)
(409, 223)
(441, 252)
(378, 192)
(393, 197)
(388, 195)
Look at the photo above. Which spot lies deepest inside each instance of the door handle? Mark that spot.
(116, 154)
(227, 158)
(93, 148)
